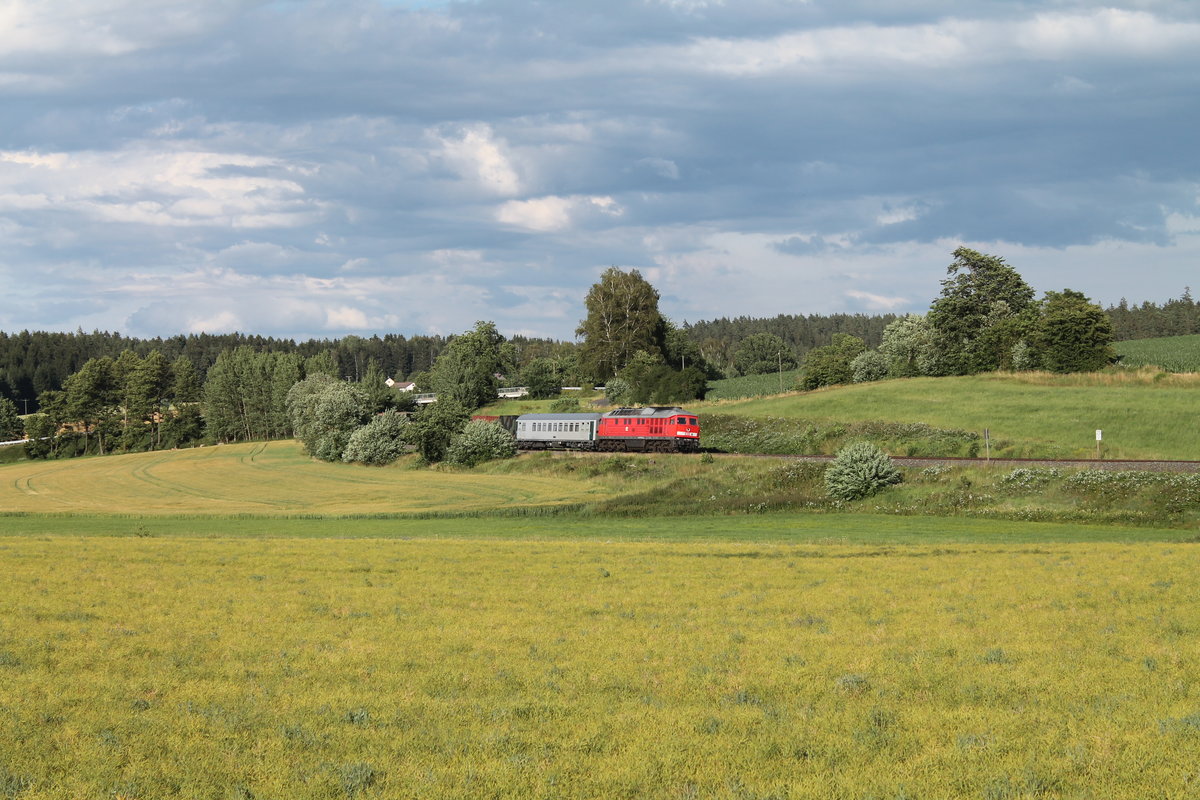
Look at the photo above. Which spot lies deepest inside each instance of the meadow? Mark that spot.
(261, 486)
(356, 668)
(1143, 414)
(262, 478)
(1171, 353)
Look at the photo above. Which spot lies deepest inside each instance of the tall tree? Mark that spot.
(908, 344)
(622, 318)
(466, 369)
(983, 311)
(185, 382)
(11, 427)
(146, 388)
(760, 353)
(1072, 334)
(92, 396)
(829, 365)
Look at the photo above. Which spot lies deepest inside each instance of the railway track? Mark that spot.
(1114, 465)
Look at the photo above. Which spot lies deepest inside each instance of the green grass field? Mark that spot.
(1172, 353)
(1029, 414)
(334, 668)
(244, 622)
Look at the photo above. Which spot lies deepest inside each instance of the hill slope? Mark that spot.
(1028, 414)
(273, 478)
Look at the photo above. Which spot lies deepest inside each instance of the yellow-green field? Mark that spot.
(294, 668)
(261, 478)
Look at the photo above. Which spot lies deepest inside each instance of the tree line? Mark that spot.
(986, 318)
(32, 362)
(1176, 317)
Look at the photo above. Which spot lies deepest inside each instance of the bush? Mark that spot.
(564, 405)
(481, 441)
(434, 428)
(618, 391)
(860, 470)
(869, 366)
(380, 441)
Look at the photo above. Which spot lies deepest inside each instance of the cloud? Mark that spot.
(475, 154)
(546, 214)
(157, 188)
(875, 302)
(301, 169)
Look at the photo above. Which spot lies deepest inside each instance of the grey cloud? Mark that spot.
(358, 138)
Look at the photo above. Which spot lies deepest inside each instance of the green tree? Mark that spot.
(542, 378)
(761, 353)
(11, 426)
(245, 394)
(42, 430)
(91, 398)
(908, 346)
(830, 365)
(323, 363)
(869, 365)
(983, 311)
(434, 427)
(146, 387)
(622, 318)
(1072, 334)
(380, 396)
(325, 412)
(381, 441)
(185, 381)
(466, 370)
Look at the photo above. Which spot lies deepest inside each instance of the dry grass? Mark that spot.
(262, 478)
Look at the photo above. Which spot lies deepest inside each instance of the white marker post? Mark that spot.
(1099, 436)
(987, 444)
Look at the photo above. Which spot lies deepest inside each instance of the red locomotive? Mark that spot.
(653, 429)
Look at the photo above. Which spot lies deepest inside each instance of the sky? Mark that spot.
(318, 169)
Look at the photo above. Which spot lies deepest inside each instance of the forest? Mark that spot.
(32, 362)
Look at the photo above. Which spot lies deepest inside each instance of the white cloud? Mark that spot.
(157, 187)
(477, 155)
(878, 302)
(346, 318)
(1107, 32)
(219, 322)
(553, 213)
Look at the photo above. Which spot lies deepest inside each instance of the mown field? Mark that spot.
(273, 478)
(317, 668)
(1141, 414)
(1172, 353)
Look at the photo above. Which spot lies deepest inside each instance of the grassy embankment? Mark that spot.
(266, 487)
(1144, 414)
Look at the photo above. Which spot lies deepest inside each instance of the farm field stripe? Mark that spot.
(793, 528)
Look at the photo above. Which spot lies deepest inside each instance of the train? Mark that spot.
(652, 429)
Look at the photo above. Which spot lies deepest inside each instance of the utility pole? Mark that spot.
(780, 354)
